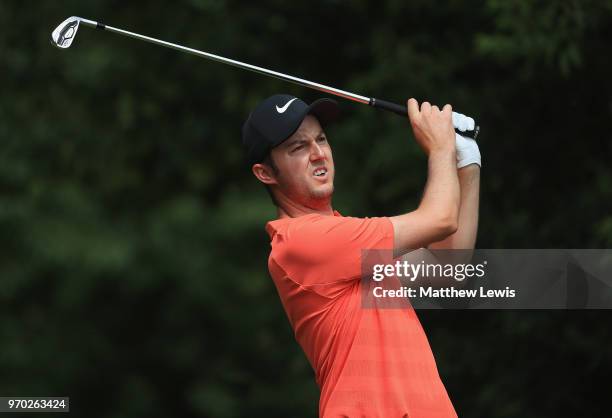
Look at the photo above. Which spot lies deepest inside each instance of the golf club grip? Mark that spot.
(403, 111)
(391, 107)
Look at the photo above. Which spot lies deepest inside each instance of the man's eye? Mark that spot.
(322, 139)
(299, 147)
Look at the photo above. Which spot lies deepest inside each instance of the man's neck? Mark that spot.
(289, 209)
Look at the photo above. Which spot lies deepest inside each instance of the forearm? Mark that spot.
(436, 216)
(442, 191)
(465, 236)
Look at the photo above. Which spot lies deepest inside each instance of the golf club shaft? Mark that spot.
(381, 104)
(254, 68)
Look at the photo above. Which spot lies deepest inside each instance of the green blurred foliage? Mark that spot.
(133, 262)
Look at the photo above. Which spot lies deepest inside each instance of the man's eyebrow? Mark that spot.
(295, 142)
(317, 135)
(301, 140)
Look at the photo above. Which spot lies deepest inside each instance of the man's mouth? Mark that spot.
(320, 172)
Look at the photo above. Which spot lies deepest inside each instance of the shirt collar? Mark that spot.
(273, 226)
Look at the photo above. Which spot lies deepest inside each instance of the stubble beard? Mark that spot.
(321, 196)
(322, 192)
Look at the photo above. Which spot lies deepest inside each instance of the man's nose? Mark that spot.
(316, 152)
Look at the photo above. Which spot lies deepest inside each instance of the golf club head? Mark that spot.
(64, 34)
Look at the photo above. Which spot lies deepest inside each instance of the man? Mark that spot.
(368, 362)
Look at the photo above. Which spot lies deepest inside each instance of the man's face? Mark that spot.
(305, 165)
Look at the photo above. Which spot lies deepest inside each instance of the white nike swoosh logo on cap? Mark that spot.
(282, 109)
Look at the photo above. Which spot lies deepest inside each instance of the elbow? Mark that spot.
(449, 228)
(443, 218)
(448, 225)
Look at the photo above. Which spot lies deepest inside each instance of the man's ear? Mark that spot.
(264, 173)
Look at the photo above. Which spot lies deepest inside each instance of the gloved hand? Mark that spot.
(467, 148)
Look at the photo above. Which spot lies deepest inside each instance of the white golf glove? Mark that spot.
(467, 148)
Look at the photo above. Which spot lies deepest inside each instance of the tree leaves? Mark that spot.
(134, 254)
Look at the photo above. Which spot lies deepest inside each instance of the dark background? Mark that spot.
(133, 256)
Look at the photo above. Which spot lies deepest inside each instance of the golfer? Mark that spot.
(374, 363)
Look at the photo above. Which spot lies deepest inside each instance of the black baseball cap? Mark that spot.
(277, 118)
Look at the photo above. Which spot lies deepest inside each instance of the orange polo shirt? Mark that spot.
(369, 362)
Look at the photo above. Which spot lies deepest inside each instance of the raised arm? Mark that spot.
(437, 215)
(465, 236)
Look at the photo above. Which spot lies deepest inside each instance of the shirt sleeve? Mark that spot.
(326, 250)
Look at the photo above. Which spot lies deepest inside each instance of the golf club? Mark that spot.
(64, 34)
